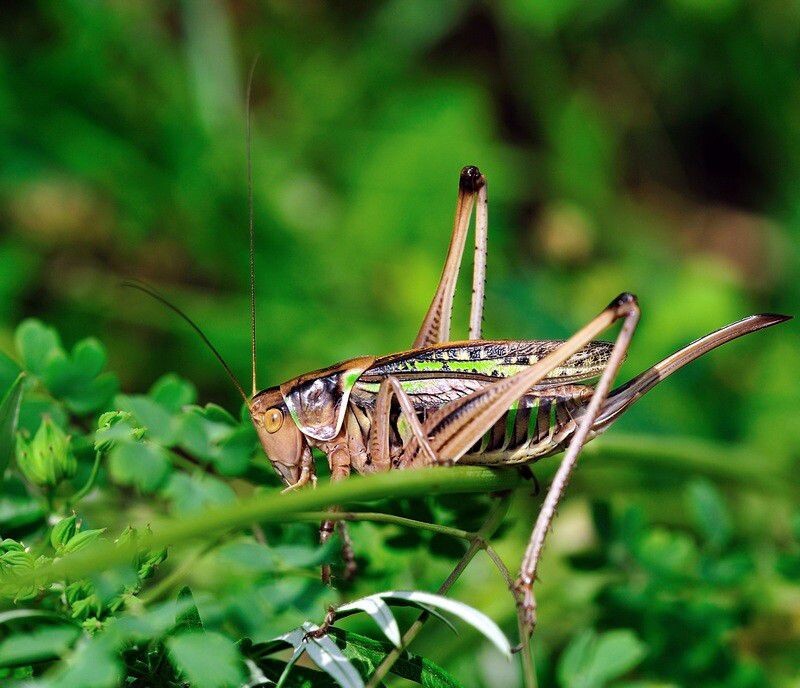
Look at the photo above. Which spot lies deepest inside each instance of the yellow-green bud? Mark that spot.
(63, 532)
(46, 459)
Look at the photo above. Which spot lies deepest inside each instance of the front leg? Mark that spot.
(380, 431)
(338, 454)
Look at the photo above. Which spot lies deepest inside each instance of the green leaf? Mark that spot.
(77, 379)
(9, 417)
(478, 620)
(668, 554)
(710, 513)
(191, 494)
(368, 654)
(207, 660)
(300, 677)
(173, 393)
(93, 664)
(37, 345)
(142, 464)
(159, 422)
(211, 434)
(17, 507)
(592, 660)
(9, 370)
(45, 643)
(188, 618)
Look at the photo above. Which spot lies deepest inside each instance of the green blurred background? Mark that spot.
(645, 147)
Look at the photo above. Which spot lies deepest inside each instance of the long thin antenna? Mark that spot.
(158, 297)
(252, 231)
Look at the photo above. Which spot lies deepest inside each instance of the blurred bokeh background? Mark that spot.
(645, 147)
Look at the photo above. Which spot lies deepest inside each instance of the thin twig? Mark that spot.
(478, 542)
(377, 517)
(528, 668)
(87, 486)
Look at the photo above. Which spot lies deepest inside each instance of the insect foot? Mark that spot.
(623, 303)
(471, 179)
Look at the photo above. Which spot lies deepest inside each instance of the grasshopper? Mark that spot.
(484, 402)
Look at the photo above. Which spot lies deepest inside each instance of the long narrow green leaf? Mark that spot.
(380, 613)
(9, 415)
(470, 615)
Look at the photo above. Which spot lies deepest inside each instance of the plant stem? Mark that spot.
(274, 508)
(478, 542)
(377, 517)
(87, 486)
(526, 658)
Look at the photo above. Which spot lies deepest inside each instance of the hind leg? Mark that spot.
(436, 325)
(629, 311)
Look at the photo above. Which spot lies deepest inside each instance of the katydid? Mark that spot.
(487, 402)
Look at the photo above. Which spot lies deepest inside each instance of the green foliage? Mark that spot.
(207, 660)
(593, 660)
(649, 147)
(666, 597)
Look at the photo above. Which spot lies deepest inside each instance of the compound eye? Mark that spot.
(273, 419)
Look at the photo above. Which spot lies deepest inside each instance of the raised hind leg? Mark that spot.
(436, 324)
(629, 310)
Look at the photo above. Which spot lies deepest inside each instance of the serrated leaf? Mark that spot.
(325, 654)
(206, 659)
(380, 613)
(592, 660)
(473, 617)
(9, 418)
